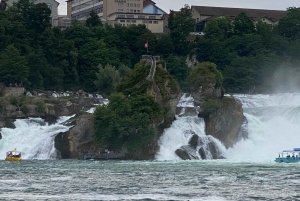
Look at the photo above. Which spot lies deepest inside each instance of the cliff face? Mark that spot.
(225, 122)
(78, 141)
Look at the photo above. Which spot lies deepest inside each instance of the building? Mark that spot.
(80, 9)
(202, 14)
(52, 4)
(121, 12)
(150, 7)
(153, 22)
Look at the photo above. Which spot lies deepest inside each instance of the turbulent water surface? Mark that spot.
(249, 172)
(217, 180)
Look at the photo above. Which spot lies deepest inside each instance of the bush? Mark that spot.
(40, 106)
(204, 73)
(24, 109)
(127, 122)
(210, 106)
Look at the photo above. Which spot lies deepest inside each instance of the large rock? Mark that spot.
(225, 123)
(206, 92)
(79, 140)
(186, 152)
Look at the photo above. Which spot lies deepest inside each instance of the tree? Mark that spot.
(242, 24)
(107, 79)
(13, 66)
(62, 54)
(178, 69)
(219, 28)
(289, 26)
(203, 73)
(164, 46)
(39, 17)
(180, 25)
(127, 122)
(93, 20)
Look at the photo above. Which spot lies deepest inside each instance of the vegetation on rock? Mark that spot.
(204, 73)
(131, 118)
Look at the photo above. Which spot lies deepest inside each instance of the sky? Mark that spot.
(168, 5)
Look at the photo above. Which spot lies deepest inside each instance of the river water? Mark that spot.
(209, 180)
(249, 172)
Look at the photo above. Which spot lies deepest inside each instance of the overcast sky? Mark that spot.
(168, 5)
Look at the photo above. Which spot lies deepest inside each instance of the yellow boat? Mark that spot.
(13, 155)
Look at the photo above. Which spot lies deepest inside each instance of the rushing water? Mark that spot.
(248, 173)
(209, 180)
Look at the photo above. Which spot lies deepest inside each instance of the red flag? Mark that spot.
(146, 45)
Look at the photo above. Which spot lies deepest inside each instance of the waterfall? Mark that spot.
(33, 137)
(186, 136)
(273, 126)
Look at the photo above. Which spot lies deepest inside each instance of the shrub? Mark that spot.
(210, 106)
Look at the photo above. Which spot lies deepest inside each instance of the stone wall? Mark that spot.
(14, 91)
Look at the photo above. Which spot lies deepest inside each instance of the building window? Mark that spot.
(152, 17)
(120, 10)
(120, 4)
(155, 22)
(144, 21)
(130, 16)
(50, 6)
(123, 21)
(133, 21)
(141, 16)
(149, 22)
(121, 16)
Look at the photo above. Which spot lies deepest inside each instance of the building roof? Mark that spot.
(148, 2)
(254, 14)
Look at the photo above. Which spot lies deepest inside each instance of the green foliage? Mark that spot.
(39, 17)
(126, 122)
(204, 73)
(219, 28)
(161, 76)
(107, 79)
(55, 59)
(24, 109)
(210, 106)
(242, 24)
(289, 26)
(178, 69)
(124, 70)
(40, 106)
(165, 46)
(13, 66)
(93, 20)
(180, 25)
(135, 83)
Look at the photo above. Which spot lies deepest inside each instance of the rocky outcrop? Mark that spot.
(79, 142)
(167, 94)
(79, 139)
(207, 91)
(47, 108)
(225, 122)
(197, 149)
